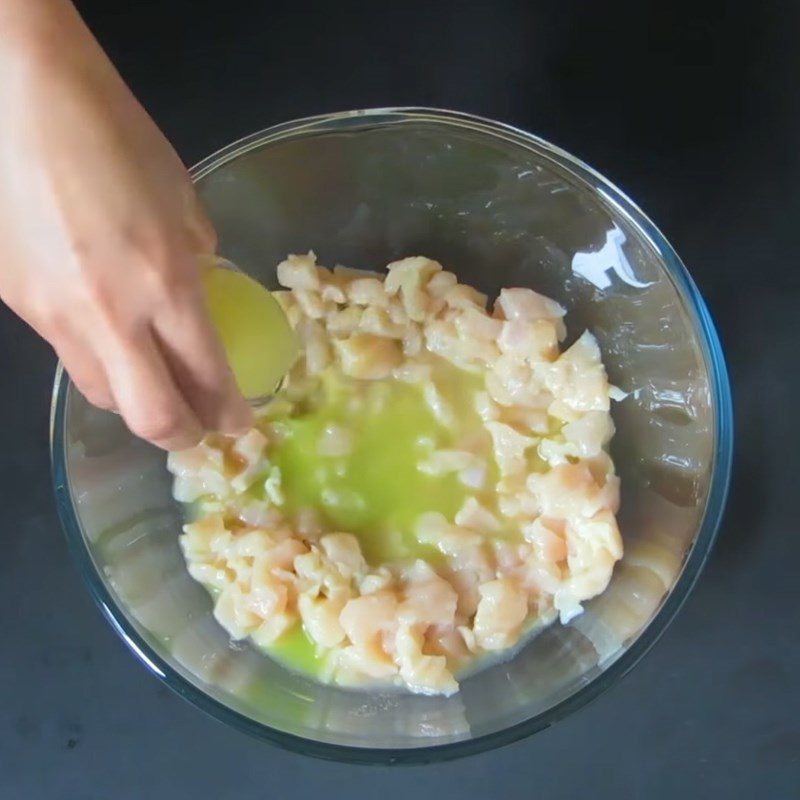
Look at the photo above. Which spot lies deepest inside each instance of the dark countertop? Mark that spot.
(696, 115)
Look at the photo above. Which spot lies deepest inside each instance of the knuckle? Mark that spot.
(210, 238)
(161, 425)
(127, 326)
(166, 278)
(94, 294)
(96, 393)
(156, 261)
(98, 398)
(201, 233)
(159, 260)
(215, 375)
(45, 311)
(204, 235)
(51, 321)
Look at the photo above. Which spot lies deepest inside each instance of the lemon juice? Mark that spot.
(259, 343)
(376, 491)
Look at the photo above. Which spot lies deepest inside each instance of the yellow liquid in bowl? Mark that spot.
(259, 342)
(376, 491)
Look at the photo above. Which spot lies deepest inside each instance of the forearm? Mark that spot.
(40, 32)
(46, 49)
(29, 21)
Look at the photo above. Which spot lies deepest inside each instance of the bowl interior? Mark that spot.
(499, 209)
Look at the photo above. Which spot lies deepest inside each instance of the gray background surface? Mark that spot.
(693, 110)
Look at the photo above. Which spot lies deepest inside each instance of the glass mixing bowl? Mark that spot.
(500, 208)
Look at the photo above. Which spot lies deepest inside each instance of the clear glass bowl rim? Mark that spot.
(695, 559)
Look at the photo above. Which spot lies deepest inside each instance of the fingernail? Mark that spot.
(187, 439)
(238, 419)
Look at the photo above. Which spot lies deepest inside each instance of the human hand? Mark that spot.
(101, 233)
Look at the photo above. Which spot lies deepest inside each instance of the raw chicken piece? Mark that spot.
(343, 550)
(577, 378)
(527, 304)
(299, 272)
(365, 618)
(409, 278)
(510, 447)
(336, 442)
(316, 346)
(475, 324)
(367, 356)
(442, 462)
(477, 517)
(422, 673)
(428, 600)
(501, 611)
(529, 340)
(320, 617)
(367, 292)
